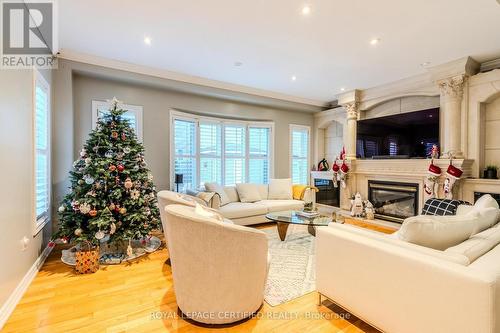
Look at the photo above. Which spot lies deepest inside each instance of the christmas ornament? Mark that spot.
(134, 194)
(75, 204)
(61, 209)
(88, 179)
(85, 208)
(112, 228)
(88, 160)
(93, 213)
(121, 167)
(114, 135)
(119, 156)
(108, 154)
(83, 153)
(112, 167)
(150, 176)
(81, 182)
(111, 206)
(99, 235)
(113, 124)
(124, 137)
(123, 210)
(126, 150)
(344, 169)
(135, 168)
(64, 239)
(431, 181)
(78, 232)
(335, 170)
(452, 175)
(128, 184)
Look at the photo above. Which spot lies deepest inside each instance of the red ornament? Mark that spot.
(51, 244)
(93, 213)
(112, 167)
(64, 239)
(121, 167)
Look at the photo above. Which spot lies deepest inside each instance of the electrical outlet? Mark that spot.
(24, 243)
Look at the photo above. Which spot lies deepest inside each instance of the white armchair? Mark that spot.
(219, 269)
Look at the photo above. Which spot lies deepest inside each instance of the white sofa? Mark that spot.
(398, 286)
(248, 213)
(219, 269)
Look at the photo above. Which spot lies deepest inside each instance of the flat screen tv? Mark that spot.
(405, 135)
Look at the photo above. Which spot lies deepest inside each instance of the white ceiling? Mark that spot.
(325, 50)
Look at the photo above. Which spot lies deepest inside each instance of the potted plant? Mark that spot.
(490, 172)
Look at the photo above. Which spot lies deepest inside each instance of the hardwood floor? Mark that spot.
(139, 297)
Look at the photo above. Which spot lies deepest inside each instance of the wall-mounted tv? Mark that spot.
(405, 135)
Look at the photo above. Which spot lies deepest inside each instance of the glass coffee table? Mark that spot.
(285, 218)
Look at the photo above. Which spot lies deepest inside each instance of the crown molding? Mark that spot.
(490, 65)
(463, 66)
(69, 54)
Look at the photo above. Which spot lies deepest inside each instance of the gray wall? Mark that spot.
(157, 104)
(16, 197)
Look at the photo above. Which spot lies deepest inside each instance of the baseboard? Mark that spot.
(14, 298)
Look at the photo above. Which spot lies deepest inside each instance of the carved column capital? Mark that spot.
(452, 87)
(352, 109)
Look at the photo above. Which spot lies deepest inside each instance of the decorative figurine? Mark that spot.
(369, 210)
(357, 206)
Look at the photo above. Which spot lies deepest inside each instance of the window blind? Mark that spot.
(299, 141)
(185, 152)
(42, 151)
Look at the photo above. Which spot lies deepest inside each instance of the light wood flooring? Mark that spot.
(139, 297)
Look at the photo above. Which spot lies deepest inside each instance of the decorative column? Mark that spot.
(352, 124)
(451, 92)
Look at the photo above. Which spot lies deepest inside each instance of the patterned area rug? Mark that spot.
(292, 270)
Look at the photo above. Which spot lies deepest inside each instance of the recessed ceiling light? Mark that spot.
(375, 41)
(238, 63)
(147, 40)
(306, 10)
(342, 89)
(425, 64)
(294, 78)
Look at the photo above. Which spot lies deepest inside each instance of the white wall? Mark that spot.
(16, 196)
(334, 141)
(77, 84)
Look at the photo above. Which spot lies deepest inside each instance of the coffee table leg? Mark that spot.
(282, 228)
(312, 230)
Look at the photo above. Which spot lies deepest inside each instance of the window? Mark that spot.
(299, 154)
(133, 115)
(228, 152)
(41, 114)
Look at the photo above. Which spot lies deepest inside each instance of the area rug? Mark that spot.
(292, 269)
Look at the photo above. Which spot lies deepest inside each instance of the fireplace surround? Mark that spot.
(393, 201)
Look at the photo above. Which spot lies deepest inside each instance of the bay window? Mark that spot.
(228, 152)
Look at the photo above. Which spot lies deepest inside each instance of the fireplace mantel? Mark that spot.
(407, 167)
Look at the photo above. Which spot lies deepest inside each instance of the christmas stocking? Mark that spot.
(335, 170)
(343, 174)
(433, 174)
(452, 175)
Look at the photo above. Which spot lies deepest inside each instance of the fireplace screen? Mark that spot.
(393, 201)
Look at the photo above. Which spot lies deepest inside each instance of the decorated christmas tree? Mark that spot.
(112, 193)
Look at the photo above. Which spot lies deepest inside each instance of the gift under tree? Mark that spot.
(112, 193)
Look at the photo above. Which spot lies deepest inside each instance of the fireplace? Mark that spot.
(328, 194)
(393, 201)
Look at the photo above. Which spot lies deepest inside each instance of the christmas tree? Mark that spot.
(112, 193)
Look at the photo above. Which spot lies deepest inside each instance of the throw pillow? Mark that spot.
(441, 207)
(208, 213)
(438, 232)
(214, 187)
(248, 192)
(486, 201)
(280, 189)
